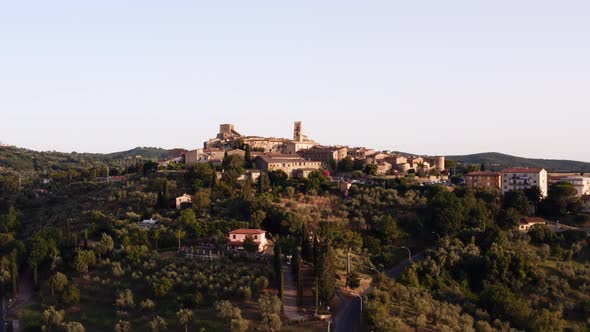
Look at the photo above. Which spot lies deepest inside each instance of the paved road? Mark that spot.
(348, 318)
(290, 295)
(24, 297)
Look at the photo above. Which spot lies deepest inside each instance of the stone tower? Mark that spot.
(439, 163)
(298, 131)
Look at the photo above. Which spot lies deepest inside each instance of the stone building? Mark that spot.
(360, 153)
(228, 138)
(324, 153)
(212, 156)
(483, 180)
(286, 163)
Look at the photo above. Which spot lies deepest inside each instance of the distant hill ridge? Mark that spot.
(497, 161)
(25, 159)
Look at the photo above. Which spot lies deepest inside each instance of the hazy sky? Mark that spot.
(432, 77)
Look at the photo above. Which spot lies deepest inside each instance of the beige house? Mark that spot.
(286, 163)
(527, 223)
(360, 153)
(524, 178)
(198, 156)
(293, 147)
(185, 198)
(237, 237)
(483, 180)
(383, 167)
(324, 153)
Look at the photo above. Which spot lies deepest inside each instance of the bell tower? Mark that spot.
(298, 131)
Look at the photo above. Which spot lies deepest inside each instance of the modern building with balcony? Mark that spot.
(522, 178)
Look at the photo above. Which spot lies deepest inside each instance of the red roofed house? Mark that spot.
(522, 178)
(528, 222)
(236, 238)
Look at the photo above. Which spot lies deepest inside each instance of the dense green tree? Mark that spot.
(346, 164)
(104, 246)
(270, 309)
(248, 156)
(123, 326)
(326, 273)
(517, 200)
(70, 295)
(561, 200)
(73, 327)
(278, 178)
(52, 318)
(158, 324)
(58, 282)
(263, 183)
(9, 222)
(184, 316)
(316, 181)
(306, 246)
(371, 169)
(38, 251)
(278, 267)
(250, 245)
(200, 176)
(233, 167)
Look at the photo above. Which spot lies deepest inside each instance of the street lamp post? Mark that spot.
(329, 325)
(361, 298)
(409, 253)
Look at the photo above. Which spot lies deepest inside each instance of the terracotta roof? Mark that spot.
(532, 220)
(522, 170)
(482, 174)
(247, 231)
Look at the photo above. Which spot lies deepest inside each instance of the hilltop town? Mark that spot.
(299, 156)
(253, 233)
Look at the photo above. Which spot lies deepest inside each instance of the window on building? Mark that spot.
(255, 237)
(234, 236)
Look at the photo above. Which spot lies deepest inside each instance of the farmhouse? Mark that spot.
(236, 238)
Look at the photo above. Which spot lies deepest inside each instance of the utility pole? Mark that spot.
(348, 263)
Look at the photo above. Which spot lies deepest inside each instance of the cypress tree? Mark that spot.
(306, 250)
(165, 194)
(248, 157)
(68, 234)
(299, 278)
(278, 265)
(14, 274)
(263, 183)
(326, 273)
(315, 253)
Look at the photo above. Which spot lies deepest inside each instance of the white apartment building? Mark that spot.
(522, 178)
(581, 183)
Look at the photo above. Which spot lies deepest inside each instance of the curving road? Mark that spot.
(348, 318)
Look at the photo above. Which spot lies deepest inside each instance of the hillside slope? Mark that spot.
(496, 161)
